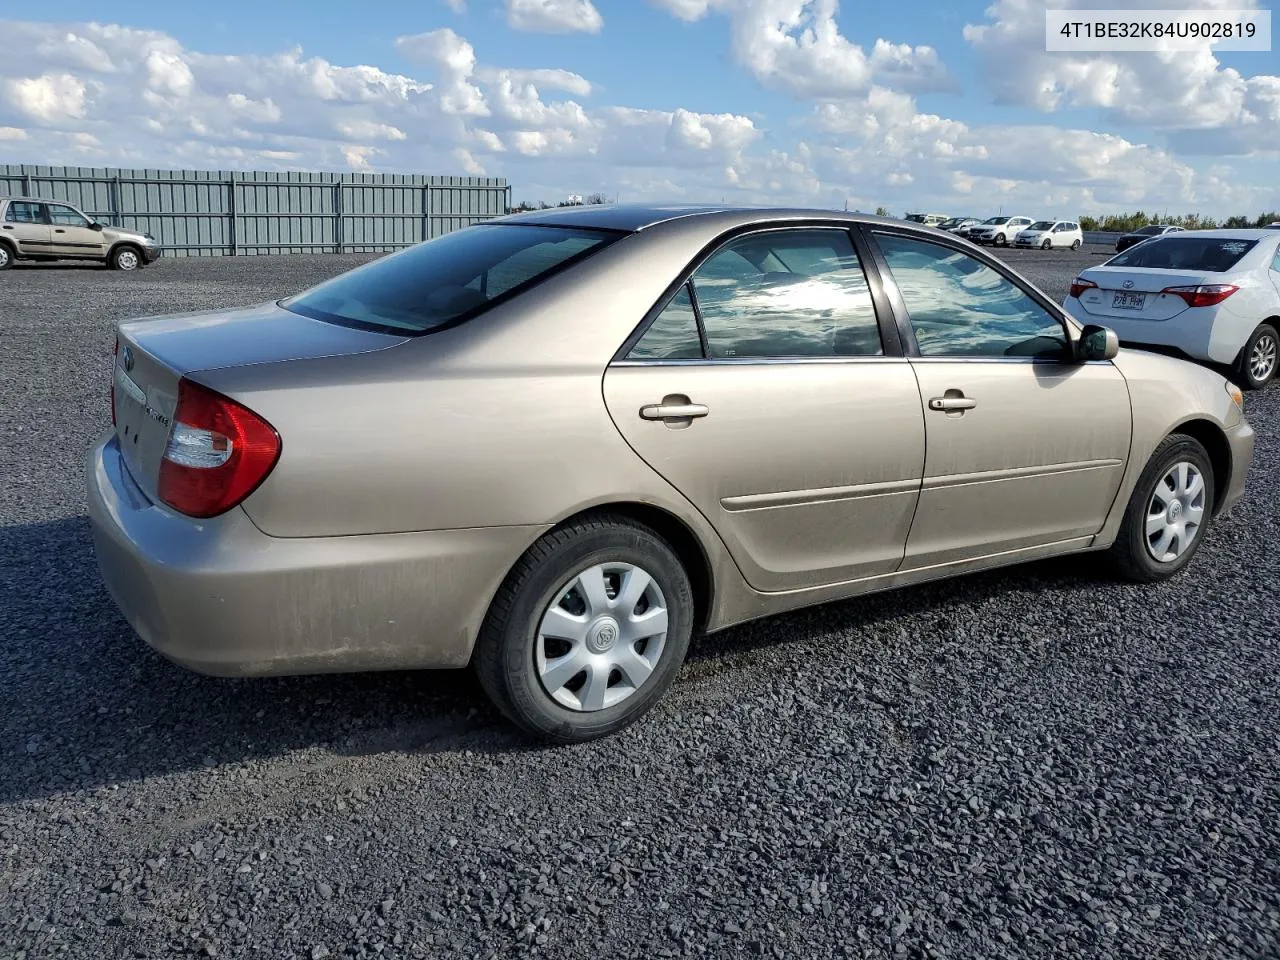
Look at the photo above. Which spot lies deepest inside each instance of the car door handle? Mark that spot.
(58, 230)
(673, 411)
(7, 227)
(952, 403)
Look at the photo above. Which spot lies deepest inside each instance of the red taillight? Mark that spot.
(114, 353)
(218, 453)
(1203, 295)
(1079, 285)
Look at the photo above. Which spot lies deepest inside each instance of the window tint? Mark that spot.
(66, 217)
(1172, 252)
(442, 280)
(1275, 262)
(960, 307)
(787, 293)
(24, 213)
(673, 335)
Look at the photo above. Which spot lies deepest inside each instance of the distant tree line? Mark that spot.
(1128, 222)
(524, 206)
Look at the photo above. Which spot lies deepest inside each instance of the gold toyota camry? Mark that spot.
(556, 446)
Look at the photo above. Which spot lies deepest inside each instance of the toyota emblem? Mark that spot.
(1128, 284)
(128, 358)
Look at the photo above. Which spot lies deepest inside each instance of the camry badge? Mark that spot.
(1128, 284)
(128, 357)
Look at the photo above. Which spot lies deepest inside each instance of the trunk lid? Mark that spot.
(154, 354)
(1133, 293)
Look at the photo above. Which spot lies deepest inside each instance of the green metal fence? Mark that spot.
(217, 213)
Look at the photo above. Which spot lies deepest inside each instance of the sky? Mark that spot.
(948, 106)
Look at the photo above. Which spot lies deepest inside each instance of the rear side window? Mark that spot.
(448, 279)
(673, 335)
(1208, 254)
(787, 293)
(24, 213)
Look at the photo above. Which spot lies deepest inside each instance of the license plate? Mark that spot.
(1129, 301)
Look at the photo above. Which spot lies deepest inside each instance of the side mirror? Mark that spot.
(95, 225)
(1097, 343)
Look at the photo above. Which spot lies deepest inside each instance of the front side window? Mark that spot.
(960, 307)
(66, 217)
(787, 293)
(20, 212)
(673, 335)
(448, 278)
(1198, 254)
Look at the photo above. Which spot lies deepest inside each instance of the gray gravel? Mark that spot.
(1029, 763)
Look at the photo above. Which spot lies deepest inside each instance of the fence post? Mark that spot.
(115, 201)
(26, 185)
(339, 239)
(426, 210)
(231, 212)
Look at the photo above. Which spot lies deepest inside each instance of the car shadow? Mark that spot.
(58, 265)
(87, 704)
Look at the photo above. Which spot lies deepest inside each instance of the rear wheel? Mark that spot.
(1257, 364)
(1168, 512)
(588, 631)
(125, 258)
(6, 257)
(1075, 245)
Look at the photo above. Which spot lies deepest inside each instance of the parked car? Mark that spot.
(1145, 233)
(35, 229)
(1212, 296)
(999, 231)
(523, 446)
(928, 219)
(1272, 226)
(1048, 234)
(957, 225)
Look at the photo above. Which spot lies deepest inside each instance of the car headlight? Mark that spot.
(1236, 395)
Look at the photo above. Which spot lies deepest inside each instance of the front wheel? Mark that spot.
(1168, 512)
(1047, 245)
(1001, 240)
(124, 258)
(1257, 365)
(588, 631)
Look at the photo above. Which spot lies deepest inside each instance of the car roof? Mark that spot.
(1232, 233)
(38, 200)
(632, 218)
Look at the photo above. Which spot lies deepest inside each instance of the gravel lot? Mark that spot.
(1029, 763)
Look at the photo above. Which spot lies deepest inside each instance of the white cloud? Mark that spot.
(12, 133)
(1164, 90)
(797, 46)
(554, 16)
(457, 6)
(455, 61)
(51, 98)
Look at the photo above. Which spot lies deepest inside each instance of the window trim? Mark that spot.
(911, 348)
(890, 342)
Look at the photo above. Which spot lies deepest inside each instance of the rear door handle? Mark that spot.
(952, 403)
(673, 411)
(59, 230)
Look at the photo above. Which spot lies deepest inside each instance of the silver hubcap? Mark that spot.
(127, 260)
(1175, 512)
(4, 256)
(602, 637)
(1262, 360)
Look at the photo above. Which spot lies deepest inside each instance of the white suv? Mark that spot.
(1048, 234)
(1000, 231)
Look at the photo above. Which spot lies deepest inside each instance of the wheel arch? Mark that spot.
(686, 544)
(10, 246)
(132, 245)
(1211, 436)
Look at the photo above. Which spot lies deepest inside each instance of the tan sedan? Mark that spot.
(557, 445)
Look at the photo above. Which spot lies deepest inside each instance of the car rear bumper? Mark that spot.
(221, 597)
(1190, 333)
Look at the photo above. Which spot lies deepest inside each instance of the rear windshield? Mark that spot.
(1172, 252)
(447, 279)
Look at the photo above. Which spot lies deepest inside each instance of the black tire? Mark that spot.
(505, 658)
(125, 257)
(1130, 554)
(1258, 341)
(6, 256)
(1047, 245)
(1001, 240)
(1075, 245)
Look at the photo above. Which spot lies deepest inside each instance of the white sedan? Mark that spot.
(1048, 234)
(1212, 296)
